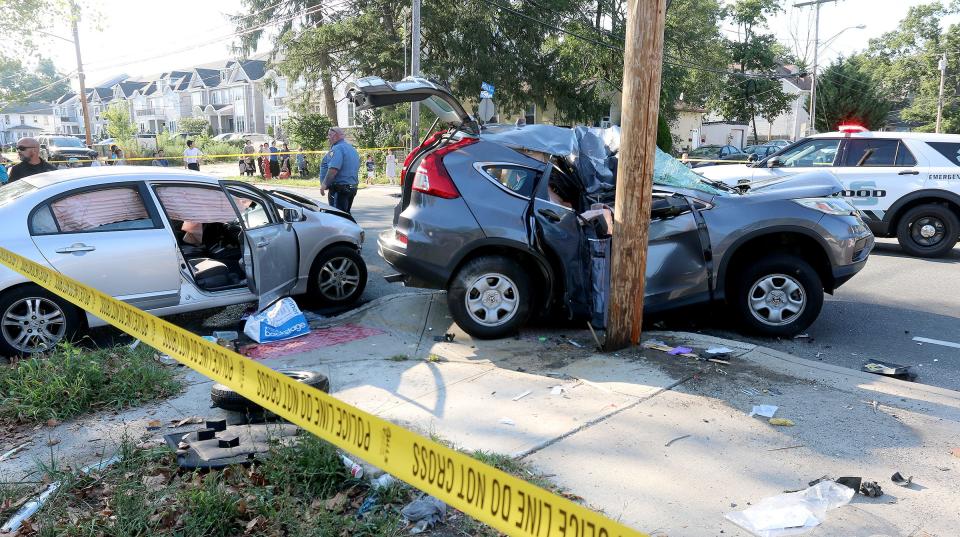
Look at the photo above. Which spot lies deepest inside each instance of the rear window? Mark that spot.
(950, 150)
(867, 153)
(513, 178)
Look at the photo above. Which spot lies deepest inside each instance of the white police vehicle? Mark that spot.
(905, 184)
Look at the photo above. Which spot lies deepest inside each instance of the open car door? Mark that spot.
(271, 255)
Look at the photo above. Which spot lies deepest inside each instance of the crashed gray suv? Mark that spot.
(497, 216)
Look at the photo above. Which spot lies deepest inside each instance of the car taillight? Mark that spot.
(425, 143)
(400, 236)
(432, 177)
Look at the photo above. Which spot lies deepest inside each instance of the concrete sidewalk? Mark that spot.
(662, 443)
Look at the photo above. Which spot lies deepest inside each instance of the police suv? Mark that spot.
(905, 184)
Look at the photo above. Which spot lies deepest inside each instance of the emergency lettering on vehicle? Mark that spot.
(489, 495)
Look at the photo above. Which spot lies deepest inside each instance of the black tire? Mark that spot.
(500, 270)
(227, 399)
(16, 301)
(930, 218)
(780, 270)
(333, 258)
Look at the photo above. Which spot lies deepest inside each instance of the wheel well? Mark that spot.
(781, 242)
(81, 313)
(895, 221)
(523, 258)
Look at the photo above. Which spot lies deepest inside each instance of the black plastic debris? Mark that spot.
(446, 338)
(900, 480)
(888, 369)
(206, 434)
(871, 489)
(229, 442)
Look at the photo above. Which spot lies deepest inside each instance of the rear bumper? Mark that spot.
(416, 272)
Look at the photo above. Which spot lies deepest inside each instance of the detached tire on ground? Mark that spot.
(227, 399)
(489, 297)
(928, 231)
(778, 296)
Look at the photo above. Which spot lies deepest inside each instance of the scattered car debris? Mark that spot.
(446, 338)
(857, 484)
(224, 397)
(781, 422)
(507, 421)
(786, 448)
(719, 350)
(871, 489)
(888, 369)
(801, 336)
(677, 439)
(574, 343)
(900, 480)
(424, 513)
(680, 351)
(522, 395)
(202, 448)
(17, 449)
(792, 513)
(767, 411)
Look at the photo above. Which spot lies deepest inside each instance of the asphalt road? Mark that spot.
(875, 315)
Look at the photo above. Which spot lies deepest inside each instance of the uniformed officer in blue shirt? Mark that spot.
(338, 171)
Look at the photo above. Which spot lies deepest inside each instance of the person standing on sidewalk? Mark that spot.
(274, 159)
(391, 167)
(30, 161)
(191, 156)
(302, 164)
(261, 159)
(371, 169)
(338, 171)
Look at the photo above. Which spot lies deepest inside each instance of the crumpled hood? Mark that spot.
(804, 185)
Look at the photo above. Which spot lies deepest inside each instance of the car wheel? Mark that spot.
(227, 399)
(928, 231)
(34, 320)
(337, 277)
(489, 297)
(778, 296)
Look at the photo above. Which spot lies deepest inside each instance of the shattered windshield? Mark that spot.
(668, 171)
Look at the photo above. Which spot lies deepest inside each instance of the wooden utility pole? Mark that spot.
(642, 62)
(74, 15)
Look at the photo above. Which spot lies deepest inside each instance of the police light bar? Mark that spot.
(851, 128)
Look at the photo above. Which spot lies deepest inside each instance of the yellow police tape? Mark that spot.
(489, 495)
(233, 155)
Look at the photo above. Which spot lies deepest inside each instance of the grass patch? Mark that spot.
(399, 358)
(515, 468)
(70, 381)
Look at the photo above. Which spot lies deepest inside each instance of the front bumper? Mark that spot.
(855, 246)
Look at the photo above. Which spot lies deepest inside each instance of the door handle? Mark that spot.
(550, 215)
(76, 247)
(908, 172)
(263, 244)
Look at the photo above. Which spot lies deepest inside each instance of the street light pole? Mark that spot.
(75, 14)
(812, 128)
(415, 71)
(943, 76)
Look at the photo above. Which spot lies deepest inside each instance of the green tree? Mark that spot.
(194, 125)
(847, 94)
(119, 125)
(752, 92)
(309, 130)
(20, 84)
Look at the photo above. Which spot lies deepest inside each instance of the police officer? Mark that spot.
(338, 171)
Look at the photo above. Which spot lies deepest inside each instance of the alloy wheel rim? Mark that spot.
(492, 299)
(928, 231)
(339, 278)
(33, 324)
(777, 299)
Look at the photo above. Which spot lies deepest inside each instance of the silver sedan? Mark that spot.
(167, 241)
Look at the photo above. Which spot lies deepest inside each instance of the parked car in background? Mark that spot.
(759, 152)
(60, 148)
(493, 216)
(779, 144)
(905, 184)
(166, 241)
(716, 152)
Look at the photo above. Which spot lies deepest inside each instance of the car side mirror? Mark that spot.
(752, 157)
(773, 162)
(292, 215)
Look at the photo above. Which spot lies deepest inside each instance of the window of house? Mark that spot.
(516, 179)
(530, 114)
(109, 209)
(23, 120)
(351, 114)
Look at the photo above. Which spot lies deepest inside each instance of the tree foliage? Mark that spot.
(21, 84)
(119, 125)
(754, 54)
(194, 125)
(308, 130)
(848, 94)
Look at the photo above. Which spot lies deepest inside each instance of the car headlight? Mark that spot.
(834, 206)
